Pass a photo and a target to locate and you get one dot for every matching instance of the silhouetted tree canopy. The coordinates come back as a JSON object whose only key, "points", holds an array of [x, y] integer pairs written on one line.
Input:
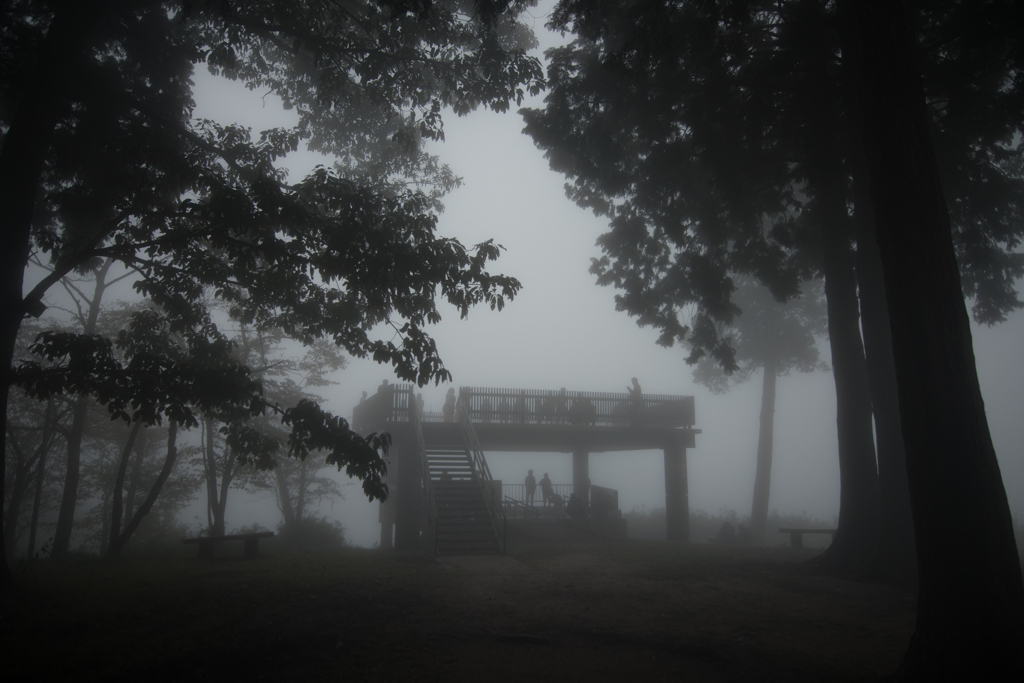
{"points": [[688, 126], [101, 158]]}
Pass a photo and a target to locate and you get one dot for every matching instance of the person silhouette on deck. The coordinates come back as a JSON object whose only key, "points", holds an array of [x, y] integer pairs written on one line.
{"points": [[531, 487], [449, 406], [636, 400], [634, 391], [545, 488]]}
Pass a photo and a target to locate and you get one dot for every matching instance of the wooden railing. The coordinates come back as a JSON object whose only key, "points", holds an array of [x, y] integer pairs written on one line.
{"points": [[518, 492], [531, 406], [482, 474]]}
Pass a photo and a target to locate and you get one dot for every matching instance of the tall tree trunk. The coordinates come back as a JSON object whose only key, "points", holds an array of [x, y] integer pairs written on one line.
{"points": [[115, 506], [856, 533], [22, 157], [133, 480], [970, 612], [300, 499], [225, 485], [765, 440], [22, 476], [66, 516], [172, 454], [216, 497], [284, 498], [895, 560], [105, 523], [214, 510], [40, 472]]}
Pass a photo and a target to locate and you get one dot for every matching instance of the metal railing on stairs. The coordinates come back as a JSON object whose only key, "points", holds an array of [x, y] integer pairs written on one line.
{"points": [[482, 475], [430, 527]]}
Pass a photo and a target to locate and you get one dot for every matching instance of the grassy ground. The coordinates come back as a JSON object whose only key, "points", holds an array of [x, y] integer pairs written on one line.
{"points": [[582, 610]]}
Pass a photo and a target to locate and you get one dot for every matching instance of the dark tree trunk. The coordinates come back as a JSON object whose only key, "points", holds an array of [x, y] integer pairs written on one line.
{"points": [[300, 498], [133, 481], [22, 157], [765, 440], [40, 473], [22, 476], [970, 614], [66, 516], [857, 530], [215, 523], [68, 500], [216, 497], [895, 560], [117, 544], [284, 498], [115, 506], [29, 471]]}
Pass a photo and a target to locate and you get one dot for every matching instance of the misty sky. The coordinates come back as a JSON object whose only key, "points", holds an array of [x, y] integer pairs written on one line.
{"points": [[563, 331]]}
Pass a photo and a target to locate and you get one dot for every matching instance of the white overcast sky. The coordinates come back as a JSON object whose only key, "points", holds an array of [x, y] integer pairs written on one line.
{"points": [[563, 331]]}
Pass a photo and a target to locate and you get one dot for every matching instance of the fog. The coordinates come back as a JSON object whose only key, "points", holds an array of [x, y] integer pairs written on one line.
{"points": [[563, 331]]}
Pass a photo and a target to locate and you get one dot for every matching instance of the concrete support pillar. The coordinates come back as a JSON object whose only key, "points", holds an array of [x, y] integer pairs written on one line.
{"points": [[407, 492], [677, 496], [581, 474]]}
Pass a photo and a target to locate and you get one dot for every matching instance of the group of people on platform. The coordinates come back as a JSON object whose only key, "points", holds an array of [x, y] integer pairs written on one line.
{"points": [[546, 489]]}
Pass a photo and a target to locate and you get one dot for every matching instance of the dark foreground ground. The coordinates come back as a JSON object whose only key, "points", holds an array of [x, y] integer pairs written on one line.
{"points": [[586, 611]]}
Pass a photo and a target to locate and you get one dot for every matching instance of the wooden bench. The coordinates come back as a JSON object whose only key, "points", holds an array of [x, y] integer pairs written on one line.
{"points": [[796, 536], [252, 543]]}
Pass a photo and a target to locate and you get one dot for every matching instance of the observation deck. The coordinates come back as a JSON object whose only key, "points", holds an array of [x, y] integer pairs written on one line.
{"points": [[523, 421]]}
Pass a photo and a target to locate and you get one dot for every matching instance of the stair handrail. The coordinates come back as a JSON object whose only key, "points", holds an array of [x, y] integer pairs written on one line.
{"points": [[482, 474], [516, 503], [430, 533]]}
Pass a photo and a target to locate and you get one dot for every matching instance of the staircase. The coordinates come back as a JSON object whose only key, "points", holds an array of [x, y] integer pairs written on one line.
{"points": [[464, 524]]}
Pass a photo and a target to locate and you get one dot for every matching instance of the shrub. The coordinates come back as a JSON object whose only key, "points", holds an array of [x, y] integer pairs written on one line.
{"points": [[312, 533]]}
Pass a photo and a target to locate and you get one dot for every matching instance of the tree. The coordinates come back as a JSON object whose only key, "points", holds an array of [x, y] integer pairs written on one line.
{"points": [[971, 601], [34, 432], [656, 115], [286, 380], [101, 159], [716, 138], [86, 314], [297, 484], [776, 339]]}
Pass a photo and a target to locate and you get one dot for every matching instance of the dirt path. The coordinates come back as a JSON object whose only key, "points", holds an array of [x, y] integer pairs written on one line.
{"points": [[631, 610]]}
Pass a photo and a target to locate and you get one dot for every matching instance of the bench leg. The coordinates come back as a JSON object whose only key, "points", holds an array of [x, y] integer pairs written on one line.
{"points": [[796, 539], [205, 550], [252, 547]]}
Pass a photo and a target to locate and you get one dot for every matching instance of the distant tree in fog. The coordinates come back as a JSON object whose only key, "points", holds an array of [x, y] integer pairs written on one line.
{"points": [[296, 483], [36, 433], [101, 159], [776, 339]]}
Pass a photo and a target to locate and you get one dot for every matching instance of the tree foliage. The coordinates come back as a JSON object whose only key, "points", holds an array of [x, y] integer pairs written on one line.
{"points": [[102, 158], [766, 331], [689, 125]]}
